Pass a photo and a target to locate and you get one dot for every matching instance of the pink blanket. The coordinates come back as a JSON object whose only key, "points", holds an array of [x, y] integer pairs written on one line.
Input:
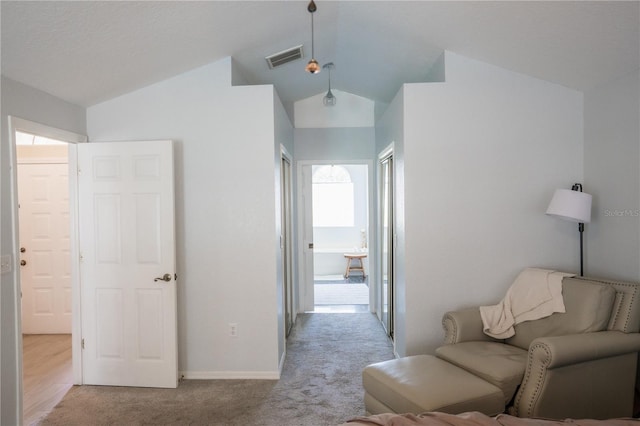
{"points": [[477, 419]]}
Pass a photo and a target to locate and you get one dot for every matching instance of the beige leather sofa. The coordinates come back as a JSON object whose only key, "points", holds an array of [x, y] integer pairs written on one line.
{"points": [[578, 364]]}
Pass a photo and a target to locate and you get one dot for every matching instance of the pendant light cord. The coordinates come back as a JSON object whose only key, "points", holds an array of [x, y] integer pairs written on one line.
{"points": [[312, 44], [312, 66]]}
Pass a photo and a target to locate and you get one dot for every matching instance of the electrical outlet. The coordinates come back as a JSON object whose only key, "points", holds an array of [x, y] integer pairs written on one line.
{"points": [[5, 263], [233, 329]]}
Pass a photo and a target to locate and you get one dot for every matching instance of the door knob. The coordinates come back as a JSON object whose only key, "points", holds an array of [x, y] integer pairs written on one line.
{"points": [[22, 249], [23, 262], [165, 277]]}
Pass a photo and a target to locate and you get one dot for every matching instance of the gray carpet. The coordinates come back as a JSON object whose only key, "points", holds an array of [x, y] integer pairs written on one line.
{"points": [[321, 385]]}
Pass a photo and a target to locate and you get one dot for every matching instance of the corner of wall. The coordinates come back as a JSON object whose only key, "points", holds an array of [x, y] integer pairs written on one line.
{"points": [[237, 75], [437, 72]]}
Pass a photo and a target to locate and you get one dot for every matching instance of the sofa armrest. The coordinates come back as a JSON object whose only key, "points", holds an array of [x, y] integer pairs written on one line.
{"points": [[588, 375], [464, 325], [558, 351]]}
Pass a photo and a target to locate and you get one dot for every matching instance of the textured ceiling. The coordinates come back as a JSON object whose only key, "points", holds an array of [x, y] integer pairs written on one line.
{"points": [[88, 52]]}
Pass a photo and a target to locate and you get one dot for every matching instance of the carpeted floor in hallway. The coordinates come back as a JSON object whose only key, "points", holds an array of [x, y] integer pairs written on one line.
{"points": [[320, 385]]}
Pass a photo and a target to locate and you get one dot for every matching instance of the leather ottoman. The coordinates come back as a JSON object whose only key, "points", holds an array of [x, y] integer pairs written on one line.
{"points": [[422, 383]]}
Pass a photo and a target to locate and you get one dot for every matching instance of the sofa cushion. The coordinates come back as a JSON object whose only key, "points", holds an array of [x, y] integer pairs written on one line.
{"points": [[588, 306], [499, 364]]}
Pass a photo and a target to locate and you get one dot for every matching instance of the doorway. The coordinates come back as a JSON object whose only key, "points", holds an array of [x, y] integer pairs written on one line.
{"points": [[286, 240], [43, 237], [43, 209], [335, 226]]}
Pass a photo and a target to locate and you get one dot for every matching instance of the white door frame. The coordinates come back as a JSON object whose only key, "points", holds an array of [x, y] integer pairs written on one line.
{"points": [[387, 152], [32, 127], [285, 155], [304, 287]]}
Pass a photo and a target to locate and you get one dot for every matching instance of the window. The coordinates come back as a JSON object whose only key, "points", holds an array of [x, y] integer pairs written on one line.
{"points": [[333, 199], [29, 139]]}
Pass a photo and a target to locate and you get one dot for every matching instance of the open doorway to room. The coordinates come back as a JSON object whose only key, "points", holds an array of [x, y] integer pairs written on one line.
{"points": [[340, 217], [45, 271]]}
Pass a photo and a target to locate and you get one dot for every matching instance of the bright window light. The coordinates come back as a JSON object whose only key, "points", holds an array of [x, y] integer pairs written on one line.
{"points": [[333, 198]]}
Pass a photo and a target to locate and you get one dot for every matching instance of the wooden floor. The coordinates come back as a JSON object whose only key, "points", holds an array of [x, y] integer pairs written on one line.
{"points": [[47, 373]]}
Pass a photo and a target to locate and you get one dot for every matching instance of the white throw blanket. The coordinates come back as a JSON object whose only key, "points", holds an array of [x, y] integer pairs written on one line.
{"points": [[536, 293]]}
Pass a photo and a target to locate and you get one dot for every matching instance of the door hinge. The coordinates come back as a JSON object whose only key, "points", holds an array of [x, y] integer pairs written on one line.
{"points": [[82, 343]]}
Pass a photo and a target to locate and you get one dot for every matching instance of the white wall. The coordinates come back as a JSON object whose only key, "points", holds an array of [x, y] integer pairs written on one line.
{"points": [[481, 156], [612, 176], [28, 103], [226, 215], [390, 131], [349, 111], [334, 144], [283, 130]]}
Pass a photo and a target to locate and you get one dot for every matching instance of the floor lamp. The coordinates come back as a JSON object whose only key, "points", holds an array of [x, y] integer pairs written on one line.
{"points": [[575, 206]]}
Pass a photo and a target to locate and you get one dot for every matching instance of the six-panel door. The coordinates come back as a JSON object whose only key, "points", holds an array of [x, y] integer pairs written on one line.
{"points": [[126, 227]]}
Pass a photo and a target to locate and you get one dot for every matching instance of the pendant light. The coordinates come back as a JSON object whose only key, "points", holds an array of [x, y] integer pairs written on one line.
{"points": [[329, 100], [313, 67]]}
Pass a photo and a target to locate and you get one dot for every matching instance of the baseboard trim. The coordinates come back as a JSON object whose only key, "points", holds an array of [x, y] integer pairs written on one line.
{"points": [[231, 375]]}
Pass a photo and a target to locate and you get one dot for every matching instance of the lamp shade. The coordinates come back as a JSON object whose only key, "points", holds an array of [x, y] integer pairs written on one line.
{"points": [[574, 206]]}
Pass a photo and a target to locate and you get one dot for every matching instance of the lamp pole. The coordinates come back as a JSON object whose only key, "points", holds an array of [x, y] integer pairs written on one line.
{"points": [[578, 187]]}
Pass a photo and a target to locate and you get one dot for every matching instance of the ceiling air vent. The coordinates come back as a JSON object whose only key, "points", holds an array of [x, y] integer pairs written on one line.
{"points": [[284, 57]]}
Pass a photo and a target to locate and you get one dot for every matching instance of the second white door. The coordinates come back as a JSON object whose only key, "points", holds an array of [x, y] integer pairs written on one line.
{"points": [[45, 274]]}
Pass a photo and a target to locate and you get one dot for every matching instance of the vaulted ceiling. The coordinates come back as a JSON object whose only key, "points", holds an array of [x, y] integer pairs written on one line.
{"points": [[88, 52]]}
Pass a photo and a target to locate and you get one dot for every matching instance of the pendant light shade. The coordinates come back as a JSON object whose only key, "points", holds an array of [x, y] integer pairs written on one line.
{"points": [[329, 99], [312, 67]]}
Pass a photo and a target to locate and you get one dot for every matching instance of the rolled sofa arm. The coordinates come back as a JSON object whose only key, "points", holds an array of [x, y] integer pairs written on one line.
{"points": [[464, 325], [558, 351], [588, 375]]}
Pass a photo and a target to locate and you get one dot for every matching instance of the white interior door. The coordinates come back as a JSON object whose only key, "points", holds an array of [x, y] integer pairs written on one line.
{"points": [[306, 201], [45, 274], [127, 266]]}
